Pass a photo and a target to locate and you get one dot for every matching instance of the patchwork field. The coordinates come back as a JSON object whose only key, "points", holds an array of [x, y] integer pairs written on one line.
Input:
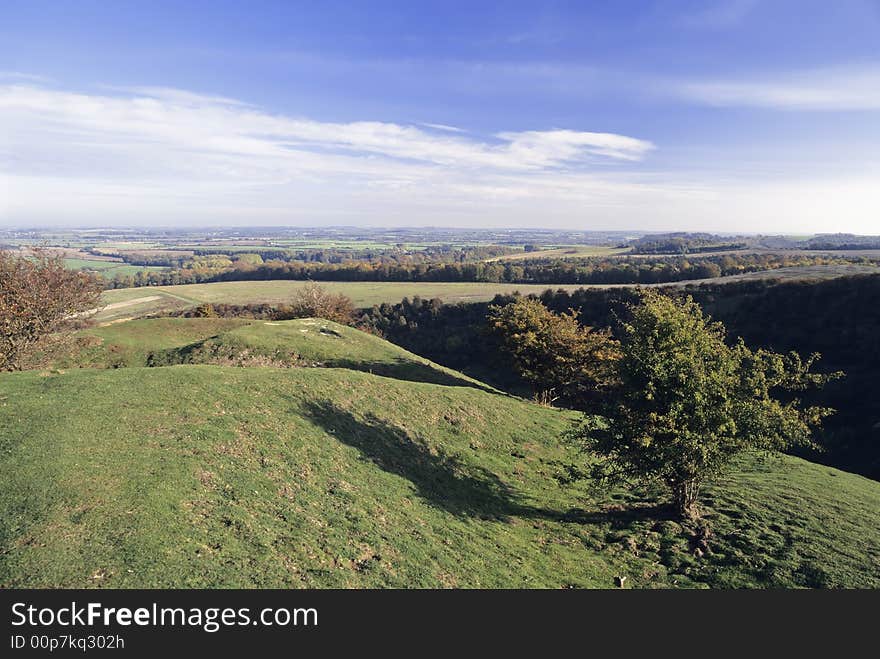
{"points": [[107, 269], [108, 264]]}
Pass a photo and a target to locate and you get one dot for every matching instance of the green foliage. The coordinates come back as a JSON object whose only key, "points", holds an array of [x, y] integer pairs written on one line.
{"points": [[553, 351], [684, 243], [686, 402]]}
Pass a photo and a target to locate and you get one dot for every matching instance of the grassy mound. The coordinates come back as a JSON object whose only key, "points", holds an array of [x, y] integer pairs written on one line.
{"points": [[214, 476], [132, 343], [304, 342]]}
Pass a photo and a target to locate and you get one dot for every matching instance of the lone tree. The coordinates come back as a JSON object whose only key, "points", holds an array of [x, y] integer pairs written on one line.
{"points": [[686, 402], [314, 301], [39, 303], [554, 352]]}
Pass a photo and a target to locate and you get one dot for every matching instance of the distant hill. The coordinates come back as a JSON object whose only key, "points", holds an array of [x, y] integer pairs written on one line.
{"points": [[692, 243], [843, 241], [685, 243], [327, 475]]}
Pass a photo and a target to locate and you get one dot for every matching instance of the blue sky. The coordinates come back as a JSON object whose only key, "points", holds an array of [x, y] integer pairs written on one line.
{"points": [[723, 115]]}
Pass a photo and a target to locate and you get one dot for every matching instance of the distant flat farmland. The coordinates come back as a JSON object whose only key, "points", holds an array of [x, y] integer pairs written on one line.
{"points": [[129, 303], [108, 269], [563, 252]]}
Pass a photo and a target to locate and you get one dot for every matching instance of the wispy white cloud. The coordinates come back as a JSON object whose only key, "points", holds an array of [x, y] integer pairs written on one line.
{"points": [[843, 88], [177, 96], [210, 125], [443, 127], [171, 157], [556, 146], [180, 142], [136, 150]]}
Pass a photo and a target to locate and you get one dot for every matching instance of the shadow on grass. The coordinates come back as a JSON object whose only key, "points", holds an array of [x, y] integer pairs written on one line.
{"points": [[191, 353], [446, 483], [402, 369], [443, 481]]}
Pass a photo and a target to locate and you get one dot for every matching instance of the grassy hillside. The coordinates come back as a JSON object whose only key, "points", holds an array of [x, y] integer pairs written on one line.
{"points": [[310, 342], [236, 342], [132, 343], [201, 475]]}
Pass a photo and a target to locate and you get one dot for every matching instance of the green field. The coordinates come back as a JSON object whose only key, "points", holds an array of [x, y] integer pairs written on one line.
{"points": [[199, 475], [132, 245], [108, 269], [363, 294]]}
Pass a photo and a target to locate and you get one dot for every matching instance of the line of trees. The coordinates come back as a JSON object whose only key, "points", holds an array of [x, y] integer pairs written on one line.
{"points": [[193, 257], [683, 243], [589, 270]]}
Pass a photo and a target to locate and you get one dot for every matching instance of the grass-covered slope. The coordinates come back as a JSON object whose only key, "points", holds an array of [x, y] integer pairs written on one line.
{"points": [[132, 343], [197, 475], [288, 343]]}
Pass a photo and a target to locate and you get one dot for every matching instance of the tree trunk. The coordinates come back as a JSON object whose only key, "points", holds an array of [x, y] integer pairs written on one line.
{"points": [[685, 494]]}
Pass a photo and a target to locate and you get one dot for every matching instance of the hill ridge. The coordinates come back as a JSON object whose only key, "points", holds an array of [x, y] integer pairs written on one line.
{"points": [[301, 342]]}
